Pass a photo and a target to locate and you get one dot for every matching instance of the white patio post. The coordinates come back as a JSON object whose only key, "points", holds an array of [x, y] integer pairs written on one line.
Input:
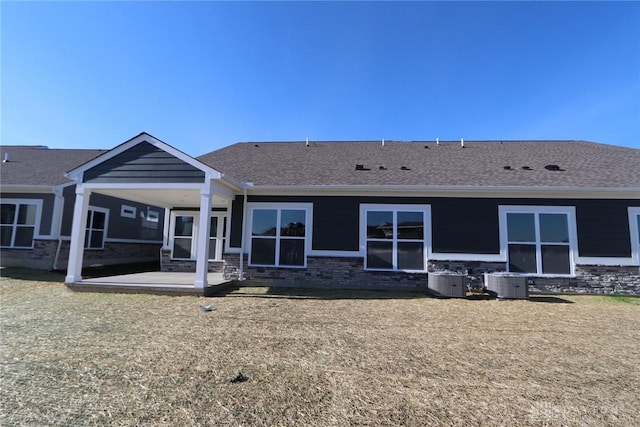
{"points": [[202, 251], [78, 230]]}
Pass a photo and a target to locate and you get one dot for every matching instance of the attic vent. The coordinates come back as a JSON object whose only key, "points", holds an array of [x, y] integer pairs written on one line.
{"points": [[507, 168], [426, 146], [404, 168], [526, 168], [552, 168], [256, 145], [361, 168], [382, 168]]}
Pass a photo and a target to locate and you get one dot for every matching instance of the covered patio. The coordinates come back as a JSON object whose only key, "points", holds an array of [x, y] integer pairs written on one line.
{"points": [[156, 282], [148, 170]]}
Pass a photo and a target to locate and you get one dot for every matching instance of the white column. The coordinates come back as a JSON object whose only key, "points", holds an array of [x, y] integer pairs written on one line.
{"points": [[202, 248], [78, 229]]}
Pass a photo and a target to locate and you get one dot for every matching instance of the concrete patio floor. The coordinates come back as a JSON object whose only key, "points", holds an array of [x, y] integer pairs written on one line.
{"points": [[156, 282]]}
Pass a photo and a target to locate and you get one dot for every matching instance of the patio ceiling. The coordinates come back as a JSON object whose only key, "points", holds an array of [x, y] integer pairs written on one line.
{"points": [[166, 198]]}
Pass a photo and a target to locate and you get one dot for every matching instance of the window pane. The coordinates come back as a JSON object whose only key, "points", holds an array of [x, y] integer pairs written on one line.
{"points": [[292, 223], [5, 235], [638, 219], [184, 226], [554, 228], [213, 229], [410, 256], [24, 237], [380, 225], [291, 252], [263, 251], [264, 222], [410, 225], [522, 259], [212, 248], [96, 239], [182, 248], [27, 215], [380, 255], [98, 220], [224, 226], [555, 259], [7, 213], [521, 227]]}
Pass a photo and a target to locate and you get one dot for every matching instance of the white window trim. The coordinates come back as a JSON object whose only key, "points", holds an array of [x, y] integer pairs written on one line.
{"points": [[221, 241], [220, 249], [307, 207], [38, 219], [570, 211], [106, 227], [127, 211], [427, 248], [635, 240]]}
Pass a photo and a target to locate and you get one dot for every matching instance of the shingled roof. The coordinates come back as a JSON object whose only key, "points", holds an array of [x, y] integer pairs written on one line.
{"points": [[39, 165], [479, 163]]}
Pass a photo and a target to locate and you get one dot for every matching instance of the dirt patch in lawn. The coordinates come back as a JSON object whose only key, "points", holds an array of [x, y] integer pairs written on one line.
{"points": [[317, 358]]}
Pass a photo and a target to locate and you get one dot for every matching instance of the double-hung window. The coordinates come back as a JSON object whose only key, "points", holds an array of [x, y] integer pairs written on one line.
{"points": [[538, 240], [184, 233], [279, 236], [18, 223], [395, 237], [96, 228]]}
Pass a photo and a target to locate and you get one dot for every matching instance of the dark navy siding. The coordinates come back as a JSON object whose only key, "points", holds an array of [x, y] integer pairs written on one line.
{"points": [[137, 228], [235, 237], [143, 163], [603, 228], [465, 226], [69, 195], [460, 225], [119, 227]]}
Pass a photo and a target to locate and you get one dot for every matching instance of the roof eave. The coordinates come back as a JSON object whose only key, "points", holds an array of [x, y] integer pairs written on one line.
{"points": [[454, 190]]}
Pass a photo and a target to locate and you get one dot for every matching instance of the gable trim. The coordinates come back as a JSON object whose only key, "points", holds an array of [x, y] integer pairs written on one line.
{"points": [[210, 173]]}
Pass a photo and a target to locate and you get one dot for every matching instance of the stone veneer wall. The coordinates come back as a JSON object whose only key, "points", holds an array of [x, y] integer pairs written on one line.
{"points": [[348, 273], [325, 272], [589, 279], [41, 257], [185, 266], [43, 254]]}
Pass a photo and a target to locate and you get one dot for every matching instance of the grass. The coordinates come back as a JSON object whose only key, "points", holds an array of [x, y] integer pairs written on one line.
{"points": [[321, 358]]}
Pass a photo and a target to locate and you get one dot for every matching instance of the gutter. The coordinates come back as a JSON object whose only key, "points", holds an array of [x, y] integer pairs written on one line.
{"points": [[453, 190]]}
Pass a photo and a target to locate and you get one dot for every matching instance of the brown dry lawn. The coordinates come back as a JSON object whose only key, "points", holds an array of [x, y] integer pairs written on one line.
{"points": [[321, 358]]}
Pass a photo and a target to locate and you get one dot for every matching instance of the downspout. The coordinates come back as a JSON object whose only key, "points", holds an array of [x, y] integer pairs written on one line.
{"points": [[58, 226], [244, 227]]}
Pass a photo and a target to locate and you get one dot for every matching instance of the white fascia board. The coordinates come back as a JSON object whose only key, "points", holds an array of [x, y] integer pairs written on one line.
{"points": [[32, 189], [210, 172], [447, 191], [144, 186]]}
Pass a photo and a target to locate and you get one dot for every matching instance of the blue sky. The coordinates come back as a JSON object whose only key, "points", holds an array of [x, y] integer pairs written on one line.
{"points": [[202, 75]]}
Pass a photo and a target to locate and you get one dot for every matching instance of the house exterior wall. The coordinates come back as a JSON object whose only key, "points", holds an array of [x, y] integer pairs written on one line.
{"points": [[119, 227], [459, 225]]}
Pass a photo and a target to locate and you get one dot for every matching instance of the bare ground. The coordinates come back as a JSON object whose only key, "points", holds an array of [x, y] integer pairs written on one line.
{"points": [[321, 358]]}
